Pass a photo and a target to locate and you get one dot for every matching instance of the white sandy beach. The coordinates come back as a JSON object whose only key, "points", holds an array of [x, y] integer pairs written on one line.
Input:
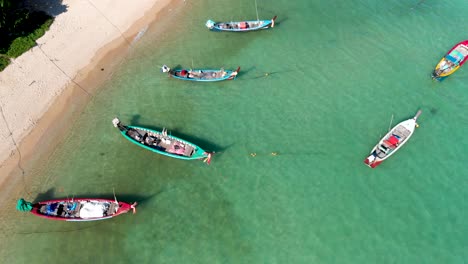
{"points": [[77, 38]]}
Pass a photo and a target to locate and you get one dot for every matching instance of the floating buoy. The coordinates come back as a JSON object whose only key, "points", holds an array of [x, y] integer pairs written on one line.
{"points": [[253, 154], [274, 153], [417, 125]]}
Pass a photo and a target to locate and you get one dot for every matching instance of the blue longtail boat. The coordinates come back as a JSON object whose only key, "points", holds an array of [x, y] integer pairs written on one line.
{"points": [[240, 26], [162, 143], [204, 75]]}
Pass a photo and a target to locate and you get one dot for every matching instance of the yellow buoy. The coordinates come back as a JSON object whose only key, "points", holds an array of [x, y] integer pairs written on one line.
{"points": [[253, 154]]}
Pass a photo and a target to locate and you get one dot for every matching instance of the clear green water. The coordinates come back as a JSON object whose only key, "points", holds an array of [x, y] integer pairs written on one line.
{"points": [[338, 71]]}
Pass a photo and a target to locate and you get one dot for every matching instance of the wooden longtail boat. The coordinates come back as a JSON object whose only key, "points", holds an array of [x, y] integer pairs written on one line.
{"points": [[162, 143], [82, 209], [240, 26], [392, 141], [205, 75], [452, 61]]}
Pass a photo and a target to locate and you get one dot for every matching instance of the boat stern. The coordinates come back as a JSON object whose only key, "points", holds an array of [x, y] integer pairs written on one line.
{"points": [[165, 69], [371, 161], [436, 77], [444, 69]]}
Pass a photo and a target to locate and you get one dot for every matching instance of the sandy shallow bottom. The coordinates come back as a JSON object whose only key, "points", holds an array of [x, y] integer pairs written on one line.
{"points": [[49, 130]]}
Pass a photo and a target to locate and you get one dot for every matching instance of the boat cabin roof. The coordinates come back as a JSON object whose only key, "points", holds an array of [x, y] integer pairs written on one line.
{"points": [[458, 54], [463, 49]]}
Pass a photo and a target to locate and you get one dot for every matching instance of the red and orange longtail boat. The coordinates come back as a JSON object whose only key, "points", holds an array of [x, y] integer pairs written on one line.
{"points": [[82, 209]]}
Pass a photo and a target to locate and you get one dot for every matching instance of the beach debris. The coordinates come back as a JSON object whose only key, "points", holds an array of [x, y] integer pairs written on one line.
{"points": [[140, 34]]}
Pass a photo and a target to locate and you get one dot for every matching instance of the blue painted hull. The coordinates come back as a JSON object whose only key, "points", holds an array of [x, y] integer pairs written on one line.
{"points": [[206, 75]]}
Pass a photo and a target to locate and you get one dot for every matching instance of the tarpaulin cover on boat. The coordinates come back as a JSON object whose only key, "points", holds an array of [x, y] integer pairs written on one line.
{"points": [[24, 206], [50, 208], [450, 58], [393, 140], [92, 210]]}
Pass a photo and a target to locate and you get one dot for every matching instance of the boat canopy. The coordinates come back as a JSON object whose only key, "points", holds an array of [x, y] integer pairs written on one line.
{"points": [[452, 59], [455, 56], [92, 209]]}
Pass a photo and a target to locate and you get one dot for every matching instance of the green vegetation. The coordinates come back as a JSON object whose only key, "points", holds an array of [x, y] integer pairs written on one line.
{"points": [[4, 61], [19, 29]]}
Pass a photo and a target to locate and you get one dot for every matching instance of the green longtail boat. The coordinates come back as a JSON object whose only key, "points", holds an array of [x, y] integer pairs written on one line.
{"points": [[162, 143]]}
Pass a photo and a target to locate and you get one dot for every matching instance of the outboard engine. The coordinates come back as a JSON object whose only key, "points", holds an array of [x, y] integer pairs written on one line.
{"points": [[116, 122], [210, 24], [164, 68]]}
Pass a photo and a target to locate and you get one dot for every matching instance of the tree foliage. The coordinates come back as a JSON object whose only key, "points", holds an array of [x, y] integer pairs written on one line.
{"points": [[19, 28]]}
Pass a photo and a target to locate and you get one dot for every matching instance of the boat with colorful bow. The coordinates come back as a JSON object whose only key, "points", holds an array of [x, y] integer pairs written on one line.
{"points": [[392, 141], [241, 26], [162, 143], [452, 61], [77, 210], [203, 75]]}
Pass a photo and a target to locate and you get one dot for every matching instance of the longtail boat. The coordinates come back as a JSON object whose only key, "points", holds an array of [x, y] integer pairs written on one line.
{"points": [[392, 141], [203, 75], [452, 61], [82, 209], [240, 26], [162, 143]]}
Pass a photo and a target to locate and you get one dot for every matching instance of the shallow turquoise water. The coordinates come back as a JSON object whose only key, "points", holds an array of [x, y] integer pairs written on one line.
{"points": [[337, 72]]}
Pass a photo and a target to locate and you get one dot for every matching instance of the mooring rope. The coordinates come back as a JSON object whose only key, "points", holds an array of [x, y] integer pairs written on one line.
{"points": [[23, 172]]}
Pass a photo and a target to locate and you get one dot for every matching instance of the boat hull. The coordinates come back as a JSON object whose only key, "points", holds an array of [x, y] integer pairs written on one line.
{"points": [[38, 208], [206, 75], [450, 64], [392, 142], [241, 26], [199, 153]]}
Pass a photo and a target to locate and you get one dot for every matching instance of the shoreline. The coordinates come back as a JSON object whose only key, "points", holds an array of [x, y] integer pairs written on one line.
{"points": [[41, 134]]}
